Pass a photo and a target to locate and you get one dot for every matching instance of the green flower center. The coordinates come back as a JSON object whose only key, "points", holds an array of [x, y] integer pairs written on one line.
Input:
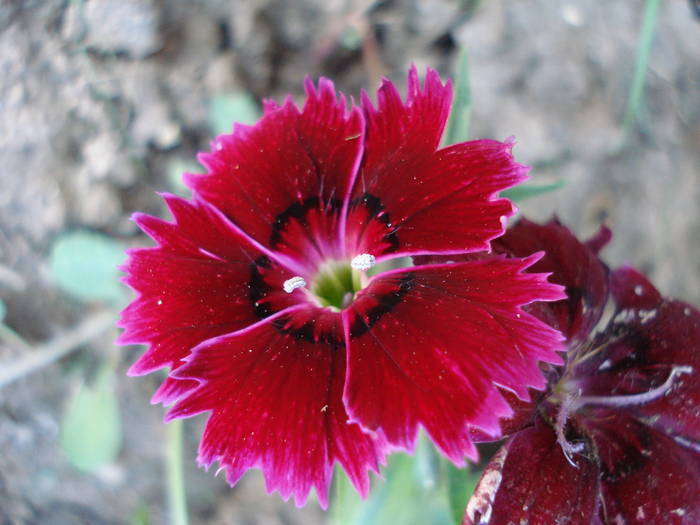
{"points": [[336, 284]]}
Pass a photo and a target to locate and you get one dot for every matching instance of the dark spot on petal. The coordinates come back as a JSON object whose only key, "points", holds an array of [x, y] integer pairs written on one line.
{"points": [[307, 332], [258, 288]]}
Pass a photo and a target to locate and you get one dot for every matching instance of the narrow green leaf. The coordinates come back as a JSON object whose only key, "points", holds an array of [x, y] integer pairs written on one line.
{"points": [[458, 125], [3, 310], [234, 106], [636, 94], [525, 191], [91, 427], [84, 264]]}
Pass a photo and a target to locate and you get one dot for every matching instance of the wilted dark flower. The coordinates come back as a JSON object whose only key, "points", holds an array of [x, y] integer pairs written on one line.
{"points": [[257, 297], [615, 439]]}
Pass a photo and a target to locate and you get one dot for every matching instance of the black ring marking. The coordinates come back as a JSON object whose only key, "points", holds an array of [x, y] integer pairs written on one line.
{"points": [[361, 326]]}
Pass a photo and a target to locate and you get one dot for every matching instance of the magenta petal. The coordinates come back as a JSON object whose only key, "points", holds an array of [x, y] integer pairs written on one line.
{"points": [[275, 402], [191, 287], [267, 174], [442, 201], [427, 346], [530, 481], [410, 198], [572, 264]]}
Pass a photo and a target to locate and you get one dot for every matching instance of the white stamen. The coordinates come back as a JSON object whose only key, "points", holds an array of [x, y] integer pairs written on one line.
{"points": [[364, 261], [292, 284]]}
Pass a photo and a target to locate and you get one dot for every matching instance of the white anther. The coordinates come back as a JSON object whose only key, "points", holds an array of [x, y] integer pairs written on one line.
{"points": [[292, 284], [364, 261]]}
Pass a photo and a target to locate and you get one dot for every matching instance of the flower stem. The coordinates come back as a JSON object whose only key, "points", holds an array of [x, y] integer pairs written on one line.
{"points": [[177, 499], [637, 89]]}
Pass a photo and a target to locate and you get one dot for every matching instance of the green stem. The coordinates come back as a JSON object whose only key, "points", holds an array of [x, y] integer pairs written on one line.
{"points": [[177, 498], [637, 89]]}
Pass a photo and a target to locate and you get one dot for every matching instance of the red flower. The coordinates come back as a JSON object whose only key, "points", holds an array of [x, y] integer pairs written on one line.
{"points": [[256, 295], [615, 439]]}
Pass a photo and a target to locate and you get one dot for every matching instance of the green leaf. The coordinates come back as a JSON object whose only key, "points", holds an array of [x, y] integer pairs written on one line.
{"points": [[525, 191], [460, 486], [413, 493], [458, 125], [84, 264], [91, 427], [3, 310], [227, 108]]}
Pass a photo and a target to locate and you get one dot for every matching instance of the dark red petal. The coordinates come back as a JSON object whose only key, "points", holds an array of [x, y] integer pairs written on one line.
{"points": [[193, 286], [630, 289], [647, 476], [530, 481], [274, 391], [268, 174], [641, 350], [572, 264], [524, 412], [428, 345], [601, 238]]}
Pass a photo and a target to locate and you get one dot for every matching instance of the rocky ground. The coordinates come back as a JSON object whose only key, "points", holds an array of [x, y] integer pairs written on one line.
{"points": [[102, 102]]}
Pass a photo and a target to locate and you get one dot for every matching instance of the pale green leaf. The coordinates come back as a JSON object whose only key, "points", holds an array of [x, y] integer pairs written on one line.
{"points": [[230, 107], [413, 493], [91, 427], [460, 486], [84, 264], [175, 170]]}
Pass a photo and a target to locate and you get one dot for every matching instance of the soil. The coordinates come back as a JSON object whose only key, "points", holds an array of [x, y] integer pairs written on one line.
{"points": [[102, 99]]}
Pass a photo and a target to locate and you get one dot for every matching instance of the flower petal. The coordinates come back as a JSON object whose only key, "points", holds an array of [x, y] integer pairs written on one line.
{"points": [[647, 476], [574, 265], [193, 286], [265, 176], [651, 342], [427, 346], [274, 391], [530, 481], [411, 199]]}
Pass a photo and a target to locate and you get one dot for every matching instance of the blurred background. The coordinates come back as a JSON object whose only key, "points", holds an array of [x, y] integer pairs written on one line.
{"points": [[105, 102]]}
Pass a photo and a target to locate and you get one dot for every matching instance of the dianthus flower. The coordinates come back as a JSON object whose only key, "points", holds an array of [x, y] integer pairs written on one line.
{"points": [[257, 297], [615, 438]]}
